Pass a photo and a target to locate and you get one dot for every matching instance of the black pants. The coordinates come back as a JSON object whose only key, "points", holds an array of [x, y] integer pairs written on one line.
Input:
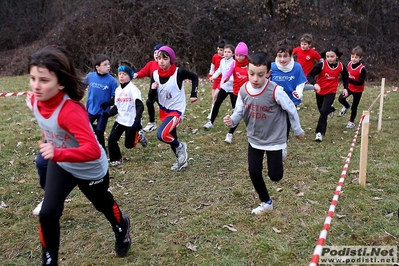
{"points": [[131, 139], [356, 100], [275, 169], [219, 100], [59, 183], [324, 104], [151, 108]]}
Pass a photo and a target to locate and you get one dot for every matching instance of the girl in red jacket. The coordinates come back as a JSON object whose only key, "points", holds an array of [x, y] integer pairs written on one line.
{"points": [[326, 84]]}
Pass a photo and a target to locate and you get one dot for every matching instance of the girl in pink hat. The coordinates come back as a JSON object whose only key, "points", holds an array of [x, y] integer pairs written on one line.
{"points": [[239, 70]]}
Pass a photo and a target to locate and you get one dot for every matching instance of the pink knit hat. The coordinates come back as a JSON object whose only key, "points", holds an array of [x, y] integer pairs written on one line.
{"points": [[170, 51], [241, 48]]}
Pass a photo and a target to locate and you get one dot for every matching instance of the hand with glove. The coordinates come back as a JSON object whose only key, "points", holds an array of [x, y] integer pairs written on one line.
{"points": [[136, 125], [105, 105]]}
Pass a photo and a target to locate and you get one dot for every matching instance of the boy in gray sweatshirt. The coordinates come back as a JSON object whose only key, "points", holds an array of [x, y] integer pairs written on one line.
{"points": [[263, 105]]}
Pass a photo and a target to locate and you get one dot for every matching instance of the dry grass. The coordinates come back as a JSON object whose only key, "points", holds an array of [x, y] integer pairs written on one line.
{"points": [[181, 218]]}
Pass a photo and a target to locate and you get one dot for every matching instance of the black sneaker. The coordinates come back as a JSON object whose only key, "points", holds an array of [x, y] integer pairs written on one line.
{"points": [[123, 241]]}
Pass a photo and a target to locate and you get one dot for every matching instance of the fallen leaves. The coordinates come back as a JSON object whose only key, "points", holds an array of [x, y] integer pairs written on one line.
{"points": [[230, 227]]}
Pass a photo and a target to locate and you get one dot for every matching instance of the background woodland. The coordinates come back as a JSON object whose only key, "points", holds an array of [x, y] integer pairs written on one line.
{"points": [[128, 29]]}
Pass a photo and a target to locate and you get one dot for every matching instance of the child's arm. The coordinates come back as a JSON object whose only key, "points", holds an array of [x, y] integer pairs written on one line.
{"points": [[29, 100], [298, 92], [235, 118], [217, 72], [185, 74], [144, 72], [345, 76], [74, 120], [139, 114], [229, 72], [153, 89], [287, 105], [211, 70], [313, 73]]}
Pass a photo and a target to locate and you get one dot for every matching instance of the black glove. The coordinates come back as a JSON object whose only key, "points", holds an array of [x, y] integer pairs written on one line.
{"points": [[136, 125], [105, 114], [105, 105]]}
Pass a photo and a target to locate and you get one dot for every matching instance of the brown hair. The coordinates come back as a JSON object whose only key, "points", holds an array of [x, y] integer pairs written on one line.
{"points": [[57, 60], [307, 37], [357, 51]]}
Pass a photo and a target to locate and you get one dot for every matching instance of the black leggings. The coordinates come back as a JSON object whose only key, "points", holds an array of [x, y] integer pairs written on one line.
{"points": [[59, 183], [356, 100], [219, 100], [275, 169]]}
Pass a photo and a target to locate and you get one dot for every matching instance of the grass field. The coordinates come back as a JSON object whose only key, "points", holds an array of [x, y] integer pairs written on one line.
{"points": [[202, 215]]}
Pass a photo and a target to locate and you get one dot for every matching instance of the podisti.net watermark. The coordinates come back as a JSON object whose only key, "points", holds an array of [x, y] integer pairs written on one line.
{"points": [[359, 255]]}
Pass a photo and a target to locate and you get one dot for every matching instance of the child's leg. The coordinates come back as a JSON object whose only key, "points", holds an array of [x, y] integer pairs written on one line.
{"points": [[356, 100], [102, 199], [59, 184], [215, 93], [100, 129], [116, 133], [167, 131], [98, 194], [151, 109], [233, 99], [325, 101], [131, 138], [255, 167], [275, 168], [343, 100], [41, 166], [219, 100]]}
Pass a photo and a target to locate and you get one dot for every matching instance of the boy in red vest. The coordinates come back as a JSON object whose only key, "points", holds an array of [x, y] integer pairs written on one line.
{"points": [[357, 76]]}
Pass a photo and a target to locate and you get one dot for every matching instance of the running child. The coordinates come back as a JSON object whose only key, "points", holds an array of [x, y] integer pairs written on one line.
{"points": [[75, 157], [146, 71], [227, 87], [324, 76], [263, 105], [167, 85], [214, 66], [288, 74], [357, 77], [239, 70], [129, 108], [101, 90]]}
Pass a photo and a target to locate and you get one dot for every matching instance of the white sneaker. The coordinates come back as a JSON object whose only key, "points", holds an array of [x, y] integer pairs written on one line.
{"points": [[150, 127], [177, 167], [116, 163], [343, 110], [319, 137], [208, 125], [38, 208], [350, 125], [229, 138], [143, 140], [181, 153], [263, 207]]}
